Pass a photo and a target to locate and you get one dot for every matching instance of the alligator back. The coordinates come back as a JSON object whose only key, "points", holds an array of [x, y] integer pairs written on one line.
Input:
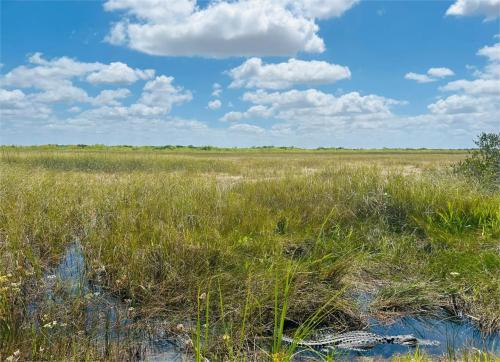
{"points": [[356, 340]]}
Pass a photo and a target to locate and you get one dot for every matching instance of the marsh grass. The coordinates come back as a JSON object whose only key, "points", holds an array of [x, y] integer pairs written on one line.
{"points": [[266, 238]]}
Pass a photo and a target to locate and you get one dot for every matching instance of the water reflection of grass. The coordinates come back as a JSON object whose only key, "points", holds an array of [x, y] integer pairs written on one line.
{"points": [[162, 229]]}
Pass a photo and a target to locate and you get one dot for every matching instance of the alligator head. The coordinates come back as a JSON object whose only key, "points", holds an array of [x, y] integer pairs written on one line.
{"points": [[405, 340]]}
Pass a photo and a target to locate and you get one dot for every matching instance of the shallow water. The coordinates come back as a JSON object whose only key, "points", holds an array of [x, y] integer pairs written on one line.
{"points": [[71, 269], [452, 335], [108, 319]]}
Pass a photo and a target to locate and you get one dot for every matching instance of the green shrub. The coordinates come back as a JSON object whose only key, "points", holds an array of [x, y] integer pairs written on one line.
{"points": [[483, 163]]}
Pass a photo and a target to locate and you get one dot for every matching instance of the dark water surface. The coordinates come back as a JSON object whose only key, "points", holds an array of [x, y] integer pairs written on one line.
{"points": [[452, 335], [107, 318]]}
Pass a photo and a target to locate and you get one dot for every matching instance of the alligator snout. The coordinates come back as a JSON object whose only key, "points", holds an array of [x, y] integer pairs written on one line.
{"points": [[408, 340]]}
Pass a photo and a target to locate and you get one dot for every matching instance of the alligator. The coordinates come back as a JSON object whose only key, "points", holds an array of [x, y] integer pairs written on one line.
{"points": [[357, 341]]}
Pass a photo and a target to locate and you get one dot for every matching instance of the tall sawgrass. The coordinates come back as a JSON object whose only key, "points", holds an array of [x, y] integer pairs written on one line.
{"points": [[274, 242]]}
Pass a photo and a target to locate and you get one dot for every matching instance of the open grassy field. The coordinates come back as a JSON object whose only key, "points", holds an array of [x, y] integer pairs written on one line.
{"points": [[238, 245]]}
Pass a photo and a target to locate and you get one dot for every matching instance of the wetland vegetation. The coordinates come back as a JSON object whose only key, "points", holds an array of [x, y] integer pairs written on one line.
{"points": [[231, 248]]}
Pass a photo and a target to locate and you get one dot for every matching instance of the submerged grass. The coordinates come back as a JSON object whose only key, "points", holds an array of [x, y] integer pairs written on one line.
{"points": [[246, 244]]}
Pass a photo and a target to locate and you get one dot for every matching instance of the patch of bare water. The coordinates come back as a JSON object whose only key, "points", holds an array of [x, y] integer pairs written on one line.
{"points": [[445, 338], [108, 319], [449, 336], [454, 335]]}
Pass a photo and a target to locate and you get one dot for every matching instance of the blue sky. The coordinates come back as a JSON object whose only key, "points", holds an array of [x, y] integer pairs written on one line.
{"points": [[309, 73]]}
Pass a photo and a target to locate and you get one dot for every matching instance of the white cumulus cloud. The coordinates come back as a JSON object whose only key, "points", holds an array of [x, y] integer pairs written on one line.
{"points": [[47, 74], [480, 95], [433, 74], [254, 112], [16, 105], [44, 74], [420, 78], [111, 97], [246, 128], [215, 104], [158, 97], [491, 52], [117, 72], [64, 91], [216, 90], [45, 83], [11, 97], [321, 9], [490, 9], [475, 86], [222, 28], [461, 103], [440, 72], [305, 110], [324, 102], [254, 74], [192, 125], [487, 81], [54, 77]]}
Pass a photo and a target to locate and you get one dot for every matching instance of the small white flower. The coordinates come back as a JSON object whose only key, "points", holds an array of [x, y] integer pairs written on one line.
{"points": [[50, 325], [50, 277]]}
